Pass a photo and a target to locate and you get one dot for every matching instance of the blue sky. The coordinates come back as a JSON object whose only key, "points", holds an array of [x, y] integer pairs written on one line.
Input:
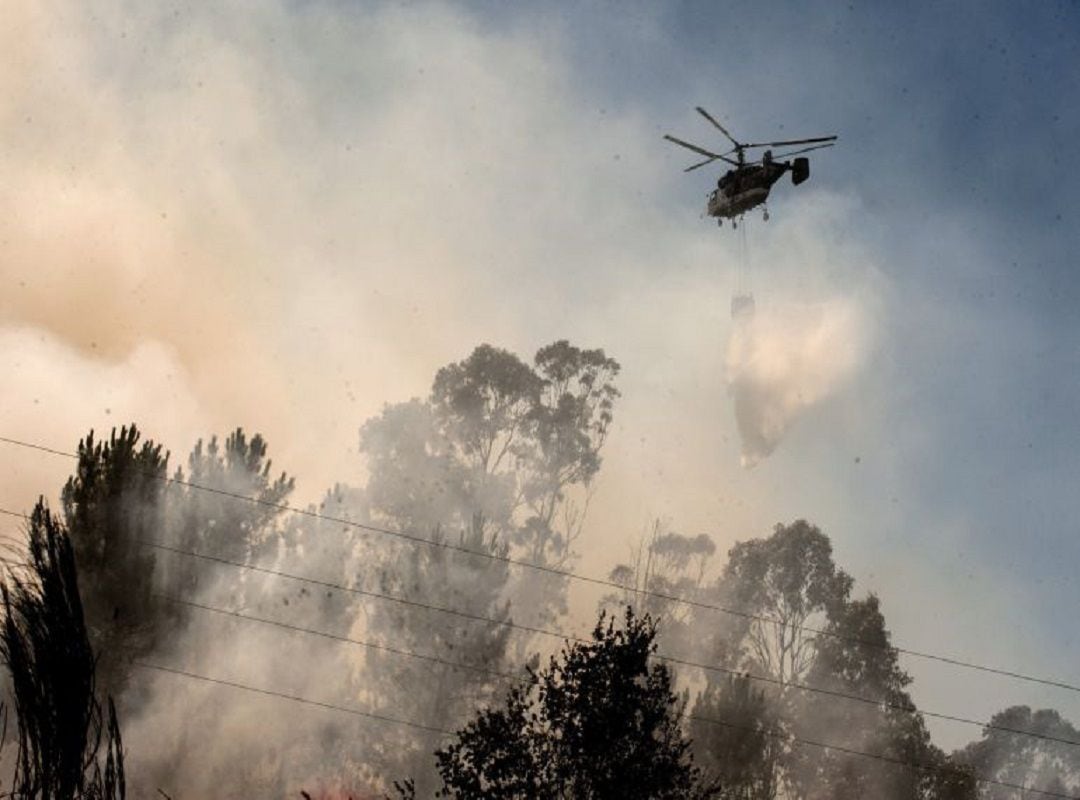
{"points": [[385, 186]]}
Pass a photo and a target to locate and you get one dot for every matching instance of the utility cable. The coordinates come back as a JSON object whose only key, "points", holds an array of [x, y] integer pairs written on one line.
{"points": [[958, 772], [294, 698], [420, 540], [883, 704], [910, 709], [707, 720], [338, 638]]}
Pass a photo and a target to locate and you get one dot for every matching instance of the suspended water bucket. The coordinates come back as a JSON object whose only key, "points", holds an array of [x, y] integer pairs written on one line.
{"points": [[742, 306]]}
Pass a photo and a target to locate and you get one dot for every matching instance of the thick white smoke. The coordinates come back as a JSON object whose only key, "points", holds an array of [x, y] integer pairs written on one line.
{"points": [[785, 359]]}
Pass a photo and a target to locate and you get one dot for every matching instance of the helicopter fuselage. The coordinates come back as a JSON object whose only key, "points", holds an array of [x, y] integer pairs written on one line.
{"points": [[743, 188]]}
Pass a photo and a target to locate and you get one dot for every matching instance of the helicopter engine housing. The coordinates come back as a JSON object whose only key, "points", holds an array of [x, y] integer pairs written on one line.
{"points": [[800, 170]]}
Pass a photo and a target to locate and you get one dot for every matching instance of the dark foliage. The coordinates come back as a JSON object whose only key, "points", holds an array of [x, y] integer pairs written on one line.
{"points": [[218, 524], [111, 504], [227, 505], [600, 721], [734, 731], [46, 648]]}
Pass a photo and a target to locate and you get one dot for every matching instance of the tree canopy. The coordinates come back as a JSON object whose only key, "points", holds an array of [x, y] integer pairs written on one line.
{"points": [[1038, 763], [804, 643], [599, 721], [112, 505]]}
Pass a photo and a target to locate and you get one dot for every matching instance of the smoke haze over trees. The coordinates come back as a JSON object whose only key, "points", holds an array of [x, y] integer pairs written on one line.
{"points": [[435, 636]]}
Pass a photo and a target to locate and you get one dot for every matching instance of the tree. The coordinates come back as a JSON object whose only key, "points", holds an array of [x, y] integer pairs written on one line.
{"points": [[561, 418], [437, 695], [120, 498], [801, 631], [788, 584], [46, 648], [329, 541], [1037, 763], [112, 505], [222, 524], [570, 424], [854, 656], [486, 463], [599, 721], [486, 405], [500, 439], [226, 506], [736, 738], [664, 564], [417, 482]]}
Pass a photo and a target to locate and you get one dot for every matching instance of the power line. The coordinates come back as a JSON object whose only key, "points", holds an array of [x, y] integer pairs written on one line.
{"points": [[353, 590], [294, 698], [881, 704], [707, 720], [877, 756], [420, 540], [884, 704], [338, 638]]}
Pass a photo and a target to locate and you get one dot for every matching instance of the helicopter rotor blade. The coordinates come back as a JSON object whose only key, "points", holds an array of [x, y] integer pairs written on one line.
{"points": [[781, 156], [720, 127], [793, 142], [694, 147], [709, 161], [699, 164]]}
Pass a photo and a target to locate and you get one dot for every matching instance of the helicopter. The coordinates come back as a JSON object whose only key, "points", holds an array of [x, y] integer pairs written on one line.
{"points": [[748, 184]]}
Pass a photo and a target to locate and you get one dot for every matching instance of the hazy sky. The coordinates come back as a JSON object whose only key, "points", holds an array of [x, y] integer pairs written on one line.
{"points": [[283, 215]]}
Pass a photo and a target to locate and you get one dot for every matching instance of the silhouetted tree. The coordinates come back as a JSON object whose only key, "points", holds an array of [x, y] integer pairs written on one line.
{"points": [[46, 647], [112, 503], [120, 497], [600, 721], [499, 438], [570, 422], [221, 523]]}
